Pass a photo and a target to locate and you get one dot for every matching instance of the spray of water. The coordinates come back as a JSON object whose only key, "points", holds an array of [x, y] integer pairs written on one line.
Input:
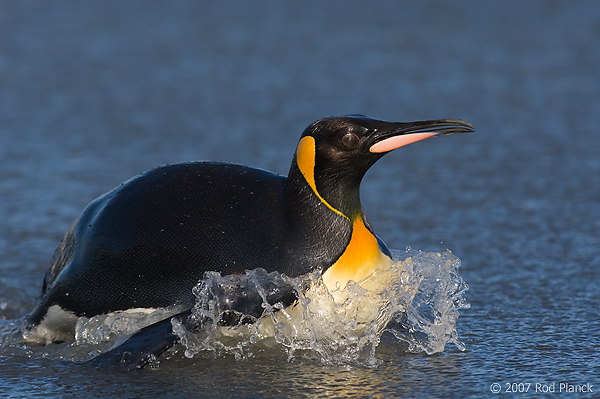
{"points": [[416, 300]]}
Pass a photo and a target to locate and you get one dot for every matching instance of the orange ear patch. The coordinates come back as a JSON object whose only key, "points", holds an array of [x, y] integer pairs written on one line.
{"points": [[305, 159]]}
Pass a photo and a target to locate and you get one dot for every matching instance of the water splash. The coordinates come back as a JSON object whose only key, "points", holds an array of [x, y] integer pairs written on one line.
{"points": [[416, 300], [429, 323], [108, 328]]}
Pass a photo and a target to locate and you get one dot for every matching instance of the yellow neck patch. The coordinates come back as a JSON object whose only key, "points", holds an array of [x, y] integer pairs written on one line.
{"points": [[362, 256], [359, 261]]}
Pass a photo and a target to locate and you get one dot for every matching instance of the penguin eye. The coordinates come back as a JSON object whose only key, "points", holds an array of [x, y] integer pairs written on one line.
{"points": [[350, 140]]}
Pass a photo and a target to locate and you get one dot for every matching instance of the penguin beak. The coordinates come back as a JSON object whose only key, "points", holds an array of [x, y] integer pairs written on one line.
{"points": [[401, 134]]}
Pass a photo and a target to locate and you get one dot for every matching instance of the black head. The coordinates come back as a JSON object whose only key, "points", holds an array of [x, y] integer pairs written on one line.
{"points": [[335, 153]]}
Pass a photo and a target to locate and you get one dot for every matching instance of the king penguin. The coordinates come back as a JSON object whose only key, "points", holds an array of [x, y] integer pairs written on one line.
{"points": [[149, 241]]}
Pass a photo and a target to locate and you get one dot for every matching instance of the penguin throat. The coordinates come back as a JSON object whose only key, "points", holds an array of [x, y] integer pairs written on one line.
{"points": [[305, 159], [359, 261], [362, 256]]}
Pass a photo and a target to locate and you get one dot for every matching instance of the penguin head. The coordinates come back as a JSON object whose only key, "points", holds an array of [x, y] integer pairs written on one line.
{"points": [[334, 153]]}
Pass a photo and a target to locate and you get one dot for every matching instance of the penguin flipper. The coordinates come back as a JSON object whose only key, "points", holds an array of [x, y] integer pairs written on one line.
{"points": [[143, 346], [238, 304]]}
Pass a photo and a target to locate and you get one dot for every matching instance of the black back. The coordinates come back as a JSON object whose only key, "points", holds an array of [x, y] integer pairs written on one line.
{"points": [[148, 242]]}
